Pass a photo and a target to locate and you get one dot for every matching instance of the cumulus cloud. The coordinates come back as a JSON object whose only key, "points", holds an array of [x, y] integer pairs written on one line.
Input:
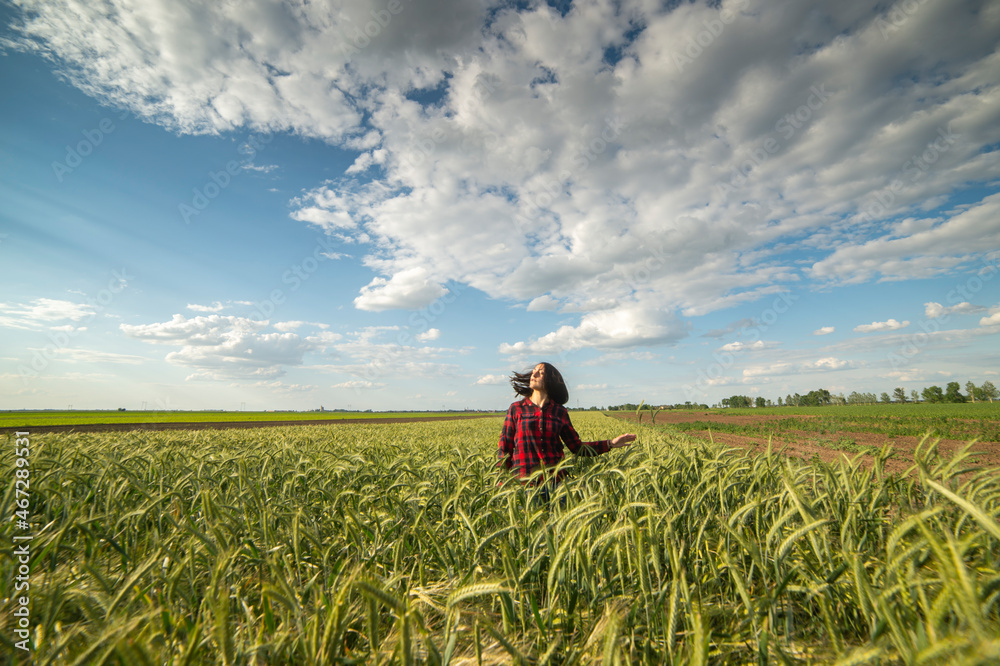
{"points": [[993, 319], [228, 347], [566, 159], [214, 307], [77, 355], [825, 330], [43, 312], [429, 335], [758, 345], [890, 325], [385, 351], [493, 380], [936, 310], [410, 289], [627, 326], [358, 384], [765, 371]]}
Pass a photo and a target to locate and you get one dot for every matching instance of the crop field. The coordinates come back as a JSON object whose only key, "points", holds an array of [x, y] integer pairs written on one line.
{"points": [[831, 432], [23, 419], [403, 543]]}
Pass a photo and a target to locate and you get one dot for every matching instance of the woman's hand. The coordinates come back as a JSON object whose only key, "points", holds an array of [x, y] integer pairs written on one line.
{"points": [[623, 440]]}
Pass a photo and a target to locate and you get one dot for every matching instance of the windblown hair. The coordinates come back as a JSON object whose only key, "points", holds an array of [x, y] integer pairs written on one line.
{"points": [[555, 386]]}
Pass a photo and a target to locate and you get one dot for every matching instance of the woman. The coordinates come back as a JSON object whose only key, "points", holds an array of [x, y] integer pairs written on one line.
{"points": [[534, 426]]}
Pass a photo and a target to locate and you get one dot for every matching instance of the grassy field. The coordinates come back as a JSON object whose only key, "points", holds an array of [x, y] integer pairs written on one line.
{"points": [[918, 409], [370, 543], [17, 419], [955, 421]]}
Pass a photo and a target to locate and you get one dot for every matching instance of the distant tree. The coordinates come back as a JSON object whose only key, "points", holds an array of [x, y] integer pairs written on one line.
{"points": [[779, 401], [899, 395], [760, 402], [798, 399], [725, 402], [740, 401], [971, 389], [914, 396], [933, 394], [988, 391], [953, 393], [815, 398], [885, 397]]}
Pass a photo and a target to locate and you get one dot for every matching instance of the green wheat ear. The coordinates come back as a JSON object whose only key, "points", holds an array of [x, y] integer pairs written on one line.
{"points": [[638, 411]]}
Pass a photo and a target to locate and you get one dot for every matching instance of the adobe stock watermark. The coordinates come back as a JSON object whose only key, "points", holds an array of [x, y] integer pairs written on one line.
{"points": [[913, 170], [60, 339], [787, 126], [897, 16], [724, 360], [362, 35], [219, 180], [962, 293], [420, 323], [294, 277], [424, 148], [704, 38], [76, 154], [553, 187]]}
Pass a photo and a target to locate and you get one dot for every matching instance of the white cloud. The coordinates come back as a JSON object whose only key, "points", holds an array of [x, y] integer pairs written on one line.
{"points": [[368, 355], [758, 345], [941, 247], [76, 355], [228, 347], [825, 330], [285, 326], [410, 289], [278, 386], [43, 312], [830, 363], [618, 357], [214, 307], [765, 371], [429, 335], [993, 319], [624, 327], [546, 170], [591, 387], [936, 310], [493, 380], [890, 325], [358, 384], [543, 303]]}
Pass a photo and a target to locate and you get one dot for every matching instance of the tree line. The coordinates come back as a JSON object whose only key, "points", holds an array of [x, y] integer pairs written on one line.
{"points": [[951, 393]]}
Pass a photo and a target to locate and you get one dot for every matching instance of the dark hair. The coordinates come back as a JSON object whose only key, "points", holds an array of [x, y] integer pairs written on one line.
{"points": [[555, 386]]}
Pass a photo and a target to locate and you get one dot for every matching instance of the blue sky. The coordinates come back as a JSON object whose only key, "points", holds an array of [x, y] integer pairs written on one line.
{"points": [[375, 204]]}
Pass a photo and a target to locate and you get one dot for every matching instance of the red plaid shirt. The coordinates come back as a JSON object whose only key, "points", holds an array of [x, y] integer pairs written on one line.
{"points": [[531, 437]]}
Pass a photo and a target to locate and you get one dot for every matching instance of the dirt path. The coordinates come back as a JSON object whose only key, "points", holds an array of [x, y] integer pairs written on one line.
{"points": [[827, 447]]}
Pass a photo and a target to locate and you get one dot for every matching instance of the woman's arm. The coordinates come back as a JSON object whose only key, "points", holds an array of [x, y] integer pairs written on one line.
{"points": [[506, 452], [572, 439], [623, 440]]}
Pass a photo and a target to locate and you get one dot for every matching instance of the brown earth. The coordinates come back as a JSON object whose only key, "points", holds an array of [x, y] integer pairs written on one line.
{"points": [[822, 446]]}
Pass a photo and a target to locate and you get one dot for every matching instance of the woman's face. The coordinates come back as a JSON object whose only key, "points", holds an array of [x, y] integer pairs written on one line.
{"points": [[538, 378]]}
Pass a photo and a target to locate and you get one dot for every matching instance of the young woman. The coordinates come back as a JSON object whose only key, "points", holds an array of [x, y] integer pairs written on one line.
{"points": [[538, 424]]}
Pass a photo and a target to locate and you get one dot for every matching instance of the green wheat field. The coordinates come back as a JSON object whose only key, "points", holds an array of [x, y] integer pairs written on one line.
{"points": [[402, 543]]}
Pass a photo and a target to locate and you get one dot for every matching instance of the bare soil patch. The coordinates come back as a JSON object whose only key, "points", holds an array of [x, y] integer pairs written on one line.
{"points": [[827, 447]]}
